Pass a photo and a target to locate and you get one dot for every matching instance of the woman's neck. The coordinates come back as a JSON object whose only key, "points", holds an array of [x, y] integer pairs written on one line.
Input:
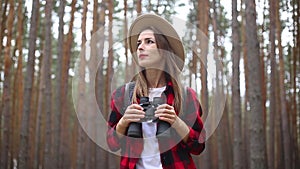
{"points": [[155, 78]]}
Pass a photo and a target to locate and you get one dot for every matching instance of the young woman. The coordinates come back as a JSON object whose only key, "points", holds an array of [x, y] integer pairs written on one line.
{"points": [[158, 50]]}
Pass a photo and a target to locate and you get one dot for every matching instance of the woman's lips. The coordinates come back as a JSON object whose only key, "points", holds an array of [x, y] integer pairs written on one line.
{"points": [[141, 56]]}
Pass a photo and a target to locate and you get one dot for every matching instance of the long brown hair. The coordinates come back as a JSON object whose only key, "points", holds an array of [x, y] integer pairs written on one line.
{"points": [[172, 72]]}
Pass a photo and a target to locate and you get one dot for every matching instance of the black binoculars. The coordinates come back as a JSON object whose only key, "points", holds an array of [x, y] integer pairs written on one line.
{"points": [[135, 128]]}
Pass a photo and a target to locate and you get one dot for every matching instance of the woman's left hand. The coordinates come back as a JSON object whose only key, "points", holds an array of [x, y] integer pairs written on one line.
{"points": [[166, 113]]}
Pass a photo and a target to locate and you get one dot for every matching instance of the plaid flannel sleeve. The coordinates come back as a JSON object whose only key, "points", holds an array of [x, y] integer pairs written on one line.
{"points": [[113, 141], [192, 117]]}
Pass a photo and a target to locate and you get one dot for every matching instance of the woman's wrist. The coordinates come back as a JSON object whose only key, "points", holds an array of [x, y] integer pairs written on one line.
{"points": [[121, 128], [181, 128]]}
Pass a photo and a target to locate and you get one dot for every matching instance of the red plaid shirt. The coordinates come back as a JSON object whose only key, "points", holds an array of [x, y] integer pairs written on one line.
{"points": [[178, 154]]}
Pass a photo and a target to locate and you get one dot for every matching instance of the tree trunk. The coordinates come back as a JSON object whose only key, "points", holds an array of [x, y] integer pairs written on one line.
{"points": [[262, 65], [23, 153], [65, 147], [295, 59], [203, 17], [109, 71], [3, 13], [279, 159], [245, 119], [101, 154], [273, 107], [82, 94], [2, 27], [283, 110], [257, 134], [58, 156], [18, 85], [139, 6], [6, 97], [39, 120], [219, 149], [236, 100], [47, 91], [125, 43]]}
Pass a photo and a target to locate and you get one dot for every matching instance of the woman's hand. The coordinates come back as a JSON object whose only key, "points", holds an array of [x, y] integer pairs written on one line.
{"points": [[133, 113], [166, 113]]}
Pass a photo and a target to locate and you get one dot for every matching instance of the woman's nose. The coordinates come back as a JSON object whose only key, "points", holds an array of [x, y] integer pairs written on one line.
{"points": [[141, 46]]}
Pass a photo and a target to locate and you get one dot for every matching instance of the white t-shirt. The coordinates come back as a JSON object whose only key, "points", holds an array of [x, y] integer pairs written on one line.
{"points": [[150, 157]]}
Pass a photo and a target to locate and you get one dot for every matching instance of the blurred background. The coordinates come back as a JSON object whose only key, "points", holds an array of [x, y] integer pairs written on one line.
{"points": [[247, 51]]}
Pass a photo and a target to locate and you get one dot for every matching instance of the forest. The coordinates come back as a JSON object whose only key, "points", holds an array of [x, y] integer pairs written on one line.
{"points": [[61, 60]]}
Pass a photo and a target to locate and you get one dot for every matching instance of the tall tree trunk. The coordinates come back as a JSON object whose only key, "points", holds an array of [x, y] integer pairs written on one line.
{"points": [[203, 17], [283, 110], [236, 100], [64, 149], [58, 156], [125, 42], [139, 6], [47, 92], [2, 27], [39, 120], [245, 117], [94, 53], [92, 67], [23, 153], [279, 158], [262, 65], [101, 154], [109, 71], [295, 59], [273, 107], [81, 108], [3, 13], [6, 97], [18, 85], [219, 149], [257, 134]]}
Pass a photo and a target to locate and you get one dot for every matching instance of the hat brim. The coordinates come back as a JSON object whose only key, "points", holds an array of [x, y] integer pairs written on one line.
{"points": [[146, 20]]}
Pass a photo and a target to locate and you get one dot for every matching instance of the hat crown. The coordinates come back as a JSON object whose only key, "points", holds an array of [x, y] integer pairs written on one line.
{"points": [[145, 21]]}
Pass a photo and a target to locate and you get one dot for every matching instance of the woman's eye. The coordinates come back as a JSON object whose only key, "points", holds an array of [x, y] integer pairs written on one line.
{"points": [[149, 41]]}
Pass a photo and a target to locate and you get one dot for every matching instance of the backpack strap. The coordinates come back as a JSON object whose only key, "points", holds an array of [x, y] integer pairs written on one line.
{"points": [[127, 95]]}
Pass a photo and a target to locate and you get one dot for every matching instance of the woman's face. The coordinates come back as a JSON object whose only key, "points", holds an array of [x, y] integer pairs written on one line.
{"points": [[147, 51]]}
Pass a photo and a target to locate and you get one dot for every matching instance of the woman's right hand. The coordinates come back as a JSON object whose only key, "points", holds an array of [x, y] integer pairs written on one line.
{"points": [[133, 113]]}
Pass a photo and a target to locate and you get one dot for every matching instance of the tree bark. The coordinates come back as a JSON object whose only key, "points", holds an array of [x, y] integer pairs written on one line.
{"points": [[82, 94], [57, 152], [48, 156], [6, 97], [101, 154], [139, 6], [28, 85], [273, 107], [109, 72], [18, 85], [245, 119], [295, 60], [3, 13], [203, 21], [236, 100], [283, 110], [257, 134]]}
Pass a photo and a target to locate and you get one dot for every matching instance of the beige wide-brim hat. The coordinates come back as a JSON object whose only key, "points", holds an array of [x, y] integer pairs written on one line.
{"points": [[145, 21]]}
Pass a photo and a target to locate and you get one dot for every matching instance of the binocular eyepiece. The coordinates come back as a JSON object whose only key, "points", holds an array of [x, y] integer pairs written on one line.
{"points": [[135, 128]]}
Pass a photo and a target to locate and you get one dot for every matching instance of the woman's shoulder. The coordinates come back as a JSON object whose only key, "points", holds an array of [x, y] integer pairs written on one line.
{"points": [[188, 90], [122, 89]]}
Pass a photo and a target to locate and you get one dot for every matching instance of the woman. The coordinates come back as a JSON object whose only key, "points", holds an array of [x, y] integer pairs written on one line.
{"points": [[156, 47]]}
